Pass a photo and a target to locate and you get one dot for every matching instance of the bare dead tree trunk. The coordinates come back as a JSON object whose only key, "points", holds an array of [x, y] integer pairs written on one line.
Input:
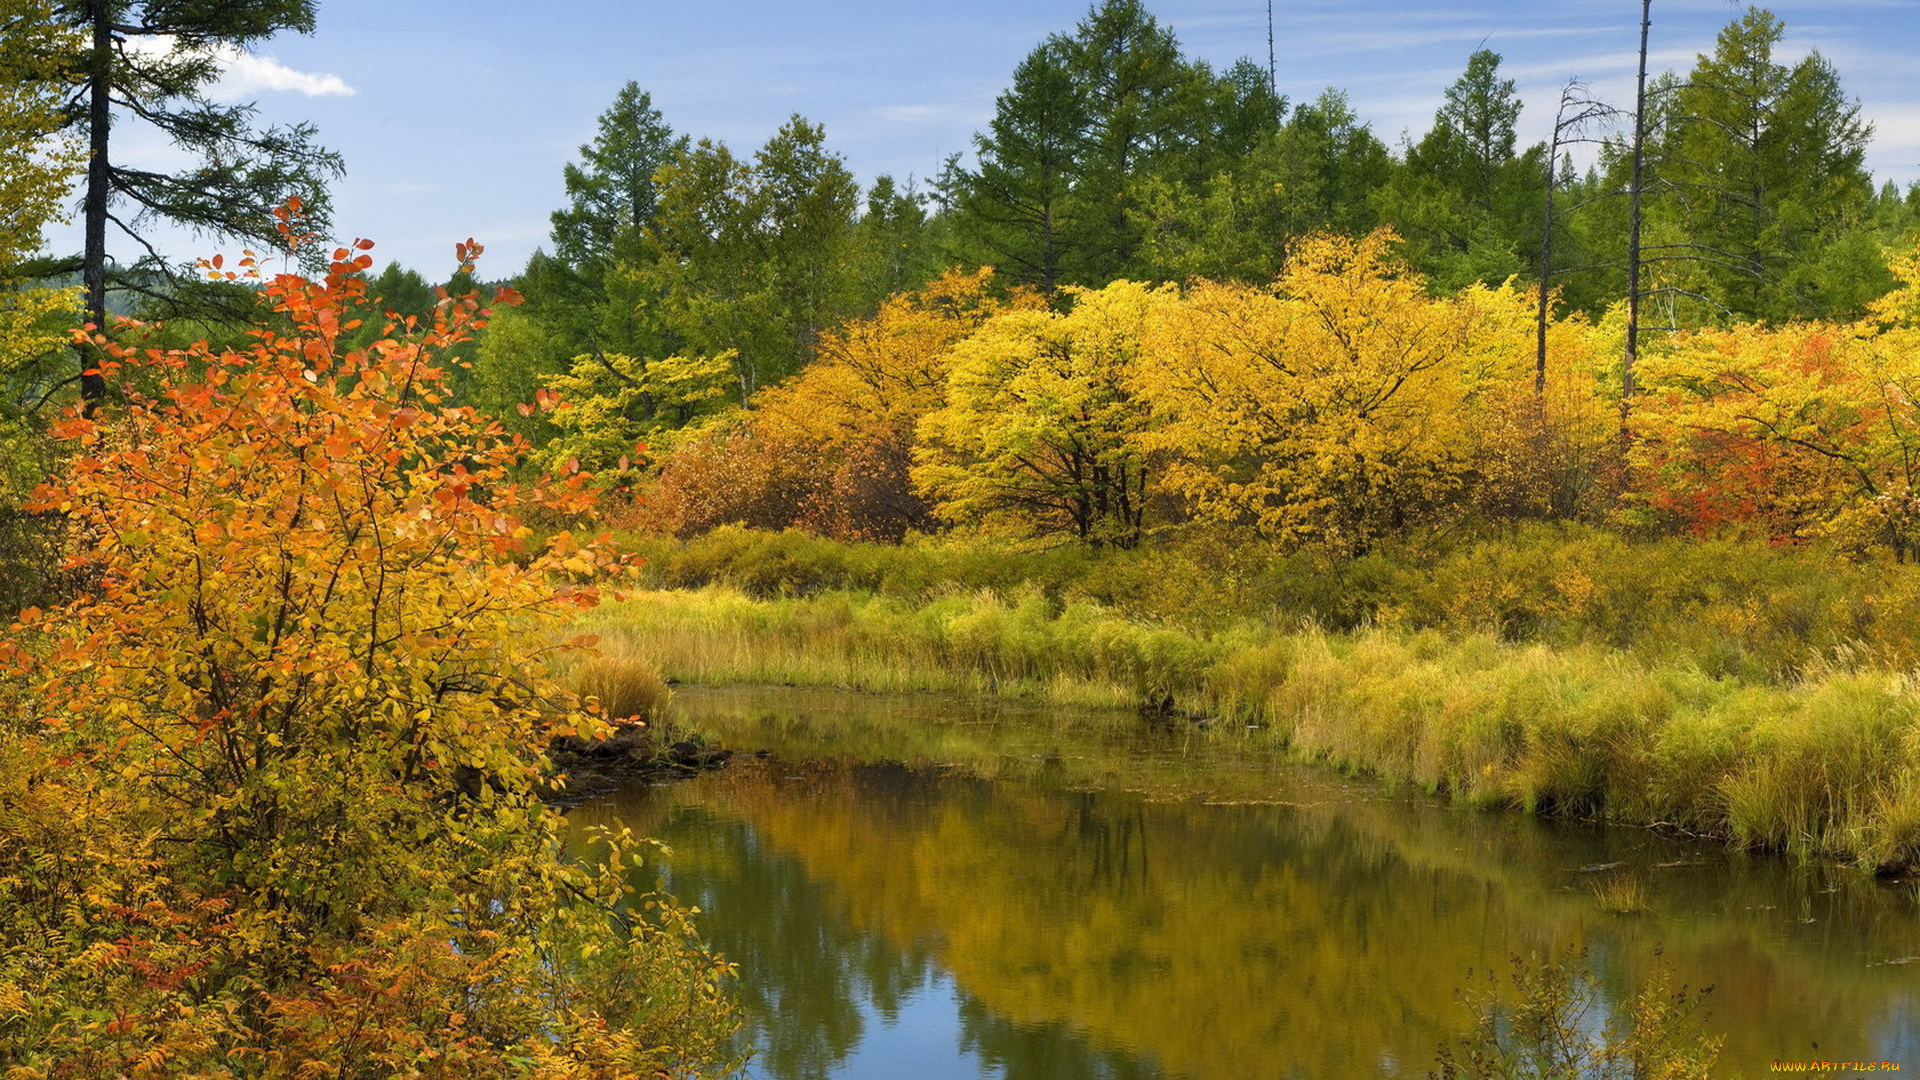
{"points": [[1633, 231], [1273, 70], [1546, 259], [1577, 111]]}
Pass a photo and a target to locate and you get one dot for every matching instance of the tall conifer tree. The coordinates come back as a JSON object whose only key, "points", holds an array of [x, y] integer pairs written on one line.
{"points": [[1129, 72], [151, 62], [1099, 127], [1016, 201], [1462, 197], [1759, 180], [611, 197], [592, 294]]}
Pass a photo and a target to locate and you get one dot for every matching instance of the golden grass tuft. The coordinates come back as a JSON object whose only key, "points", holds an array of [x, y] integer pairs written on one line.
{"points": [[1620, 894], [627, 686]]}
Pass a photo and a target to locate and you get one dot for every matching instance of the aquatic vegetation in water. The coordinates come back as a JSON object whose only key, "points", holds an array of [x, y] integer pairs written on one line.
{"points": [[1557, 1024], [1621, 894]]}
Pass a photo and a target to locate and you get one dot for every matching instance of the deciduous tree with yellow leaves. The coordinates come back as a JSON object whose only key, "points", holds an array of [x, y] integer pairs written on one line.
{"points": [[1039, 435], [829, 451], [1793, 432], [606, 405], [1335, 407], [35, 167]]}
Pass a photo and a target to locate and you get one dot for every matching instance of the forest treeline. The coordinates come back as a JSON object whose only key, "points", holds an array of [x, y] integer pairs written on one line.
{"points": [[1100, 322], [1157, 295]]}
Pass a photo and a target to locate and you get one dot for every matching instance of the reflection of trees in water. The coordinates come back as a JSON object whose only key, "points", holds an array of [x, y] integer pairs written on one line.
{"points": [[807, 971], [1109, 848], [810, 977], [1042, 1051], [1327, 937]]}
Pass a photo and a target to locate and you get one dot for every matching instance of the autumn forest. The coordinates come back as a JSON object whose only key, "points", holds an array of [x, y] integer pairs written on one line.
{"points": [[1579, 479]]}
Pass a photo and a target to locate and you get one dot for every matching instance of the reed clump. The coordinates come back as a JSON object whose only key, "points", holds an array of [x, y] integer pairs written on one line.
{"points": [[626, 686], [1620, 894]]}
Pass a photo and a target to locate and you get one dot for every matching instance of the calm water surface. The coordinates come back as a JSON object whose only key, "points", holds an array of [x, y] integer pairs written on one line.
{"points": [[924, 889]]}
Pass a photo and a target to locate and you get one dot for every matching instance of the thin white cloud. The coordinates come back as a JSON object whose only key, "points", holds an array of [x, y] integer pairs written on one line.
{"points": [[246, 75], [1896, 140], [915, 114]]}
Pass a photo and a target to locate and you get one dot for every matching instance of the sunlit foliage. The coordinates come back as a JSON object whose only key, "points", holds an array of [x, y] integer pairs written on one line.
{"points": [[272, 780], [830, 450], [606, 405], [1795, 432], [1038, 434], [1337, 406], [34, 173]]}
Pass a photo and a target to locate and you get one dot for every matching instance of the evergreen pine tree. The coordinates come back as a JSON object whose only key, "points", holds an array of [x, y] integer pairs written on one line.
{"points": [[144, 62]]}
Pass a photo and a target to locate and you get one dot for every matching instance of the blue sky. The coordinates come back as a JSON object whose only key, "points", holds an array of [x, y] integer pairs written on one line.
{"points": [[456, 118]]}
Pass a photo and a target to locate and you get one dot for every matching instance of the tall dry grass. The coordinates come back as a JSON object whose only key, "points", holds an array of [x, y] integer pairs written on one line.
{"points": [[1826, 763], [1740, 611], [624, 683]]}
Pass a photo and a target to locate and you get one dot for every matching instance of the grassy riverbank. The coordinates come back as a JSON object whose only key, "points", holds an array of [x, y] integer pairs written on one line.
{"points": [[1762, 696]]}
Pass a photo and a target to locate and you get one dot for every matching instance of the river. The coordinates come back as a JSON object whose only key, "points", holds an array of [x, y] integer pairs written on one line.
{"points": [[927, 888]]}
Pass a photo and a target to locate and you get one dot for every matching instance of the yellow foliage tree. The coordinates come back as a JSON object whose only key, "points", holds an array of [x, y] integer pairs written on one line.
{"points": [[1039, 435], [1755, 430], [35, 168], [1337, 406], [877, 377], [829, 450], [35, 163], [1542, 442], [606, 404]]}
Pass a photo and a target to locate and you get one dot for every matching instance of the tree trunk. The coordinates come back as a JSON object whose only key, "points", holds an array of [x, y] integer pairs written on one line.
{"points": [[93, 386], [1633, 231], [1542, 307]]}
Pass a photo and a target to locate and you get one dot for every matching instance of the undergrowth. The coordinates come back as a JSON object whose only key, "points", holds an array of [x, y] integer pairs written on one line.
{"points": [[1729, 609]]}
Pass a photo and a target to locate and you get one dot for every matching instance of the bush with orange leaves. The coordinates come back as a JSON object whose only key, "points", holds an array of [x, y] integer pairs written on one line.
{"points": [[831, 451], [1795, 432], [233, 834]]}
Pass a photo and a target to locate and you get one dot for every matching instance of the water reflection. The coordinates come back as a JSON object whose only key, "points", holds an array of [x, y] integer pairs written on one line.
{"points": [[927, 893]]}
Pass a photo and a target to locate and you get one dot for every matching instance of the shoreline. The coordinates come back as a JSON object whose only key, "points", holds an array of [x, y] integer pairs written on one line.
{"points": [[1817, 768]]}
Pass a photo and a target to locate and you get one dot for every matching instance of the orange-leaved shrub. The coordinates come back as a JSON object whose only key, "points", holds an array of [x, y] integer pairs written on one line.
{"points": [[268, 803], [831, 451], [1796, 432]]}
